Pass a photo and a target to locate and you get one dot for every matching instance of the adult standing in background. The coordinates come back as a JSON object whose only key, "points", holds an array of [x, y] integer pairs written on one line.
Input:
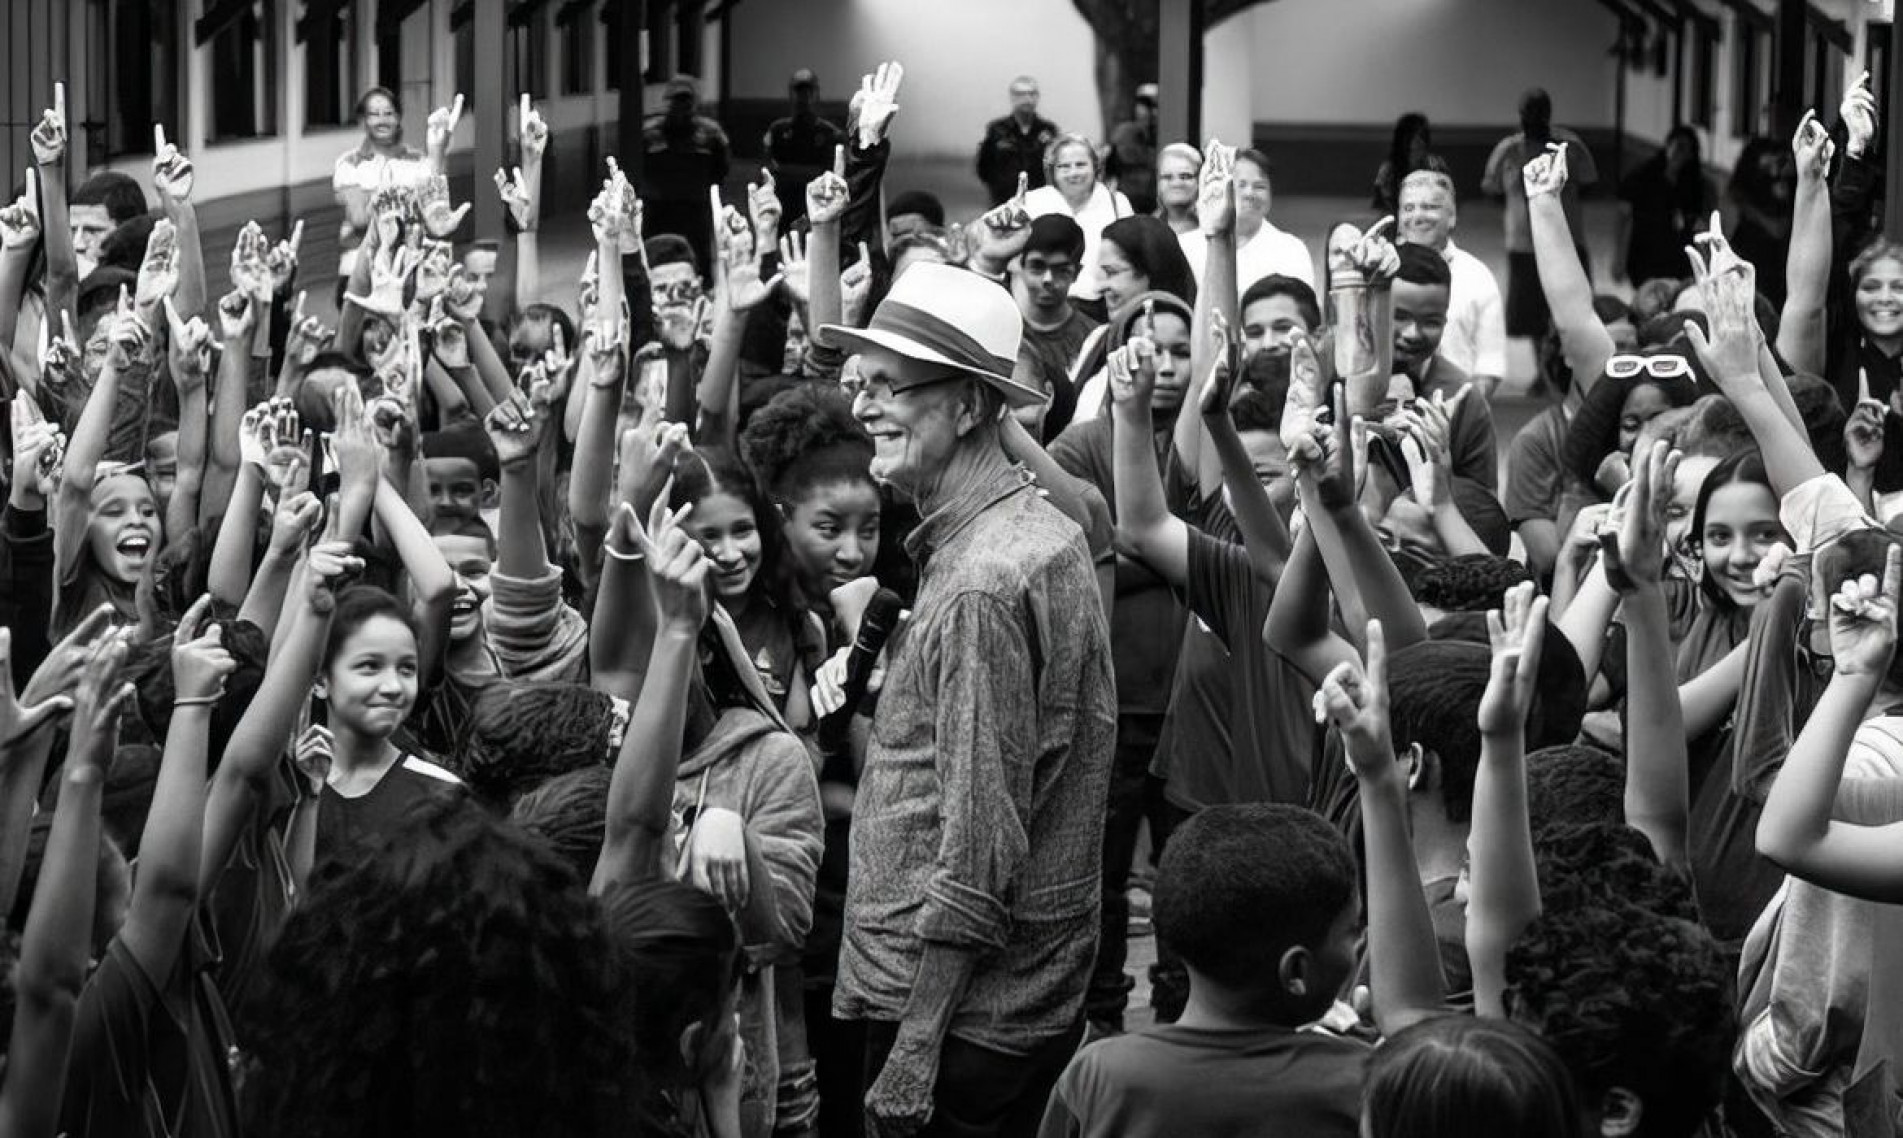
{"points": [[1526, 304], [1077, 190], [1410, 150], [1129, 163], [971, 913], [1015, 144], [1759, 200], [1261, 249], [380, 159], [800, 146], [1662, 202], [686, 152], [1177, 168], [1475, 340]]}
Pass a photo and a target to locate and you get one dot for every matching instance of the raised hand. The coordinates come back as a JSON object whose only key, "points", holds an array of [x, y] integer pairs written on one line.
{"points": [[678, 326], [280, 260], [463, 296], [1355, 700], [441, 126], [1638, 552], [449, 339], [48, 138], [19, 720], [128, 336], [432, 272], [1429, 472], [1374, 255], [390, 272], [1545, 173], [764, 210], [158, 273], [20, 222], [794, 266], [1859, 113], [1813, 149], [828, 195], [607, 352], [877, 102], [1003, 231], [1301, 410], [1729, 287], [517, 197], [740, 270], [295, 522], [237, 318], [1516, 632], [532, 130], [250, 271], [316, 750], [1863, 621], [439, 220], [200, 663], [855, 287], [353, 441], [38, 449], [308, 336], [1132, 373], [1863, 430], [678, 570], [59, 355], [332, 566], [1216, 190], [287, 447], [100, 699], [172, 174], [188, 348], [515, 424]]}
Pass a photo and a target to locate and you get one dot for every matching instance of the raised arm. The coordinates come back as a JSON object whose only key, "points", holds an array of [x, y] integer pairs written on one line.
{"points": [[432, 585], [19, 237], [1584, 340], [1503, 894], [48, 140], [238, 319], [26, 739], [641, 793], [173, 177], [1146, 529], [590, 480], [826, 199], [165, 890], [516, 428], [1802, 333], [1658, 787], [1263, 534], [1404, 961], [1216, 308], [58, 937], [127, 341], [1079, 500], [1796, 829], [189, 354], [738, 291], [624, 601]]}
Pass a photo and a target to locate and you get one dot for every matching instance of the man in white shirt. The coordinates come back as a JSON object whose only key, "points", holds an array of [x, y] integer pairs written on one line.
{"points": [[1476, 337], [1261, 248]]}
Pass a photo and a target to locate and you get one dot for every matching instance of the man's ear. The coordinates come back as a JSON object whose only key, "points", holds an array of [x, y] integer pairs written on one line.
{"points": [[1421, 766], [491, 495], [693, 1038], [1291, 971], [1620, 1113]]}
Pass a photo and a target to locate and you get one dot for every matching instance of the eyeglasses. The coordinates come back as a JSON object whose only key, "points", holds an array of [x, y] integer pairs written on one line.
{"points": [[1062, 271], [1658, 367], [854, 382]]}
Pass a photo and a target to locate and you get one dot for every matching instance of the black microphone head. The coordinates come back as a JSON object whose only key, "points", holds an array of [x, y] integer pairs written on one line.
{"points": [[882, 612]]}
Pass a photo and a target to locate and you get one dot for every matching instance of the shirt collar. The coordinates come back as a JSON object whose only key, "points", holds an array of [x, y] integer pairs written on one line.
{"points": [[981, 477], [1450, 252]]}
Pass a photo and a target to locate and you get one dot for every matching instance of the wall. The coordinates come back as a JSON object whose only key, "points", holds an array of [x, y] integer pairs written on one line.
{"points": [[959, 60]]}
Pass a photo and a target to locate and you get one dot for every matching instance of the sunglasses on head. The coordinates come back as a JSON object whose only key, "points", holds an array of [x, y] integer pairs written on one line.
{"points": [[1626, 365]]}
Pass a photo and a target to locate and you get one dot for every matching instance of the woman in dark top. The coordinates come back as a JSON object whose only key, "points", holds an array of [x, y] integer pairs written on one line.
{"points": [[1407, 153], [1663, 202], [1759, 196]]}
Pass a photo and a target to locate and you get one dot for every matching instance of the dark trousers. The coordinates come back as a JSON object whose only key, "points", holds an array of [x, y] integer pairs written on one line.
{"points": [[983, 1093], [839, 1053], [1134, 796]]}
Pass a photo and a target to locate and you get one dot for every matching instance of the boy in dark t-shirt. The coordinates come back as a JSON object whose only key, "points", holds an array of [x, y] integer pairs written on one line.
{"points": [[1261, 903]]}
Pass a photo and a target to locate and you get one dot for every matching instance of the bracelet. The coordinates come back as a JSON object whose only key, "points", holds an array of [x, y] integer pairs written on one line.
{"points": [[203, 701], [620, 556]]}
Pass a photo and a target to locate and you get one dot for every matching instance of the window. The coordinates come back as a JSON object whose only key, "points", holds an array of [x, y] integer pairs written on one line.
{"points": [[134, 81], [576, 19], [244, 67], [1702, 75], [329, 32], [528, 50], [1748, 90]]}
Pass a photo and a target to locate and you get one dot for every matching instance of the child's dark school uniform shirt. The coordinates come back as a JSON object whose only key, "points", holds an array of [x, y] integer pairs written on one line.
{"points": [[1173, 1080], [343, 823]]}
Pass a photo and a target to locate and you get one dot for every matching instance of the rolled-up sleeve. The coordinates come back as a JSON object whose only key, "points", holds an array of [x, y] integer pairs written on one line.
{"points": [[535, 634], [986, 729]]}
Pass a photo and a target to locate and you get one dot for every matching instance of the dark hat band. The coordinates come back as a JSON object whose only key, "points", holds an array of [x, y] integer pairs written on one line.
{"points": [[921, 326]]}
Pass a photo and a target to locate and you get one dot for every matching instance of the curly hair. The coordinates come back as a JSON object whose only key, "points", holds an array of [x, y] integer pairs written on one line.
{"points": [[522, 733], [1574, 783], [1585, 864], [806, 437], [1457, 1075], [1473, 583], [458, 981], [149, 669], [1629, 999]]}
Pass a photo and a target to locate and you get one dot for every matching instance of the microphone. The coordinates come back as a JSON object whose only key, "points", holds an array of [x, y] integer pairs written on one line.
{"points": [[881, 616]]}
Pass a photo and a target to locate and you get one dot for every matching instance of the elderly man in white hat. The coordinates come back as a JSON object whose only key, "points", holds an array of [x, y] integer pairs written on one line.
{"points": [[971, 917]]}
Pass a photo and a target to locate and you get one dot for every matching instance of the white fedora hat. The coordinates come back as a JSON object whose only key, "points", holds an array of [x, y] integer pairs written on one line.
{"points": [[945, 315]]}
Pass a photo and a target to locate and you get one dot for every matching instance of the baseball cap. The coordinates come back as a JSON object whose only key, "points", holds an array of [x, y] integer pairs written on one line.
{"points": [[804, 77], [1146, 93]]}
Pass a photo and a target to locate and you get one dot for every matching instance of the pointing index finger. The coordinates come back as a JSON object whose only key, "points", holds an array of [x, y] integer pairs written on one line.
{"points": [[839, 161], [59, 102], [297, 236], [158, 140], [456, 111]]}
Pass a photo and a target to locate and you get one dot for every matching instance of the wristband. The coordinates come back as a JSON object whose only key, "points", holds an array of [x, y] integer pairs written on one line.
{"points": [[202, 701], [620, 556]]}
